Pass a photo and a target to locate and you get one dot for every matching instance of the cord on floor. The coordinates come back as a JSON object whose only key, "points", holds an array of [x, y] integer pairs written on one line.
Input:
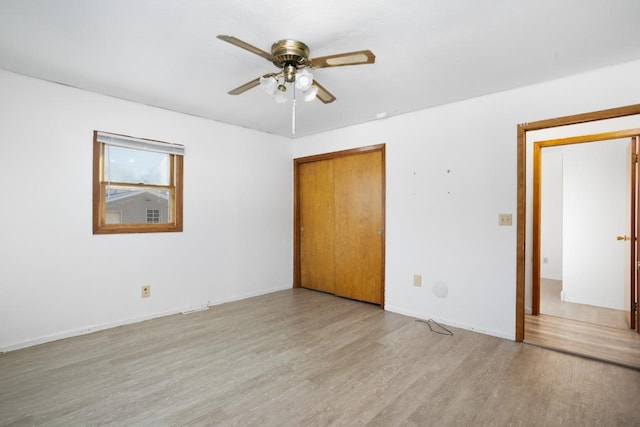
{"points": [[430, 321]]}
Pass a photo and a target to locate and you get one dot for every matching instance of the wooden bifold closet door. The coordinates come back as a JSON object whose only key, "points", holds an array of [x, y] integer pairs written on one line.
{"points": [[340, 223]]}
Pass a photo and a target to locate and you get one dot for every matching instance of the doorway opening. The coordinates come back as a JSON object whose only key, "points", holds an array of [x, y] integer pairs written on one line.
{"points": [[528, 237], [583, 213]]}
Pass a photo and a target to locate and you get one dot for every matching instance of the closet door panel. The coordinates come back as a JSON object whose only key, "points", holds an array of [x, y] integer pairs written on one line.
{"points": [[358, 226], [317, 233]]}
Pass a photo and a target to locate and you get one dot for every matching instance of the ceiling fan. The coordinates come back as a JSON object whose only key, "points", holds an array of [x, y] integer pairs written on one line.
{"points": [[292, 58]]}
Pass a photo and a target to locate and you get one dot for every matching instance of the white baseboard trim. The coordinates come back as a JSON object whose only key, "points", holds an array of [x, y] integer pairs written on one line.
{"points": [[455, 324], [108, 325], [247, 295]]}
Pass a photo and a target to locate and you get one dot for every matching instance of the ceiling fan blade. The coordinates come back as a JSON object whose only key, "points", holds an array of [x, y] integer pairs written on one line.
{"points": [[323, 95], [245, 87], [246, 46], [340, 59]]}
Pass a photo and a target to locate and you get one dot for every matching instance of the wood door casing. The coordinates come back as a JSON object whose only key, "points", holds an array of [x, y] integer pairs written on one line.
{"points": [[631, 244], [355, 211], [634, 319], [316, 230]]}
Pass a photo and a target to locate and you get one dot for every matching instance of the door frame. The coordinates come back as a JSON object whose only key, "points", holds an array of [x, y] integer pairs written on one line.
{"points": [[537, 199], [522, 130], [296, 205]]}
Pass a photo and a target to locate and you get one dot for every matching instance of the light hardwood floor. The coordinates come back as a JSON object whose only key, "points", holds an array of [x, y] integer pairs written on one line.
{"points": [[304, 358], [551, 304], [590, 331]]}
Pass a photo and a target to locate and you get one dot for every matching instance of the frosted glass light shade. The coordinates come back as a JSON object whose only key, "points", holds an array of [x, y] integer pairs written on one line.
{"points": [[269, 84], [280, 97], [304, 80], [310, 95]]}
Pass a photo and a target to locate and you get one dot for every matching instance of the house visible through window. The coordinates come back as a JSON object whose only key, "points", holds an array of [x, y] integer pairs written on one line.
{"points": [[137, 185]]}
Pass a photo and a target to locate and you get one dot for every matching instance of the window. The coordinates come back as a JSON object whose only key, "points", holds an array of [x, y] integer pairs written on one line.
{"points": [[153, 215], [137, 185]]}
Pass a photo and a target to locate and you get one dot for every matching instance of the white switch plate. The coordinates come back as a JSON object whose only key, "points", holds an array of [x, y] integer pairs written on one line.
{"points": [[504, 219]]}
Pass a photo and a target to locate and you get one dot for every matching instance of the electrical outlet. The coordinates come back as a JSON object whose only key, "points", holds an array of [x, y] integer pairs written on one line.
{"points": [[504, 219], [146, 291], [417, 280]]}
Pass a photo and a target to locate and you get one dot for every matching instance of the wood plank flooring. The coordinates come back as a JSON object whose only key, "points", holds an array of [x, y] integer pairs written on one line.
{"points": [[304, 358], [621, 346], [551, 304], [590, 331]]}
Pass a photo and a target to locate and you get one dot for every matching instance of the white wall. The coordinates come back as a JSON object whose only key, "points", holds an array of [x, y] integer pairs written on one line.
{"points": [[594, 213], [57, 279], [551, 214], [450, 171]]}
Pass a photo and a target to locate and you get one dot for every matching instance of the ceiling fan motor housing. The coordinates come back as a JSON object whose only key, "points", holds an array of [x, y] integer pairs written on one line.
{"points": [[290, 53]]}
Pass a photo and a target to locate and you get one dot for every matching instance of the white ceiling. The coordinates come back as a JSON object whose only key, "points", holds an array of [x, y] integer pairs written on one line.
{"points": [[428, 52]]}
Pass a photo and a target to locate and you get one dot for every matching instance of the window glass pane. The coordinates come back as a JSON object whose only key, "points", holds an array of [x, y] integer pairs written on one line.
{"points": [[136, 166], [153, 215], [114, 217], [138, 205]]}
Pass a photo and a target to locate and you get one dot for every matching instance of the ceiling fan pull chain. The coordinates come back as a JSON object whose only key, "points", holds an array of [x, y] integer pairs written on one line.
{"points": [[293, 112]]}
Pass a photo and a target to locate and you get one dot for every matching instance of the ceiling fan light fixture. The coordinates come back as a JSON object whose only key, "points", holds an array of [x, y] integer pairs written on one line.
{"points": [[269, 84], [310, 94], [281, 95], [304, 80]]}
